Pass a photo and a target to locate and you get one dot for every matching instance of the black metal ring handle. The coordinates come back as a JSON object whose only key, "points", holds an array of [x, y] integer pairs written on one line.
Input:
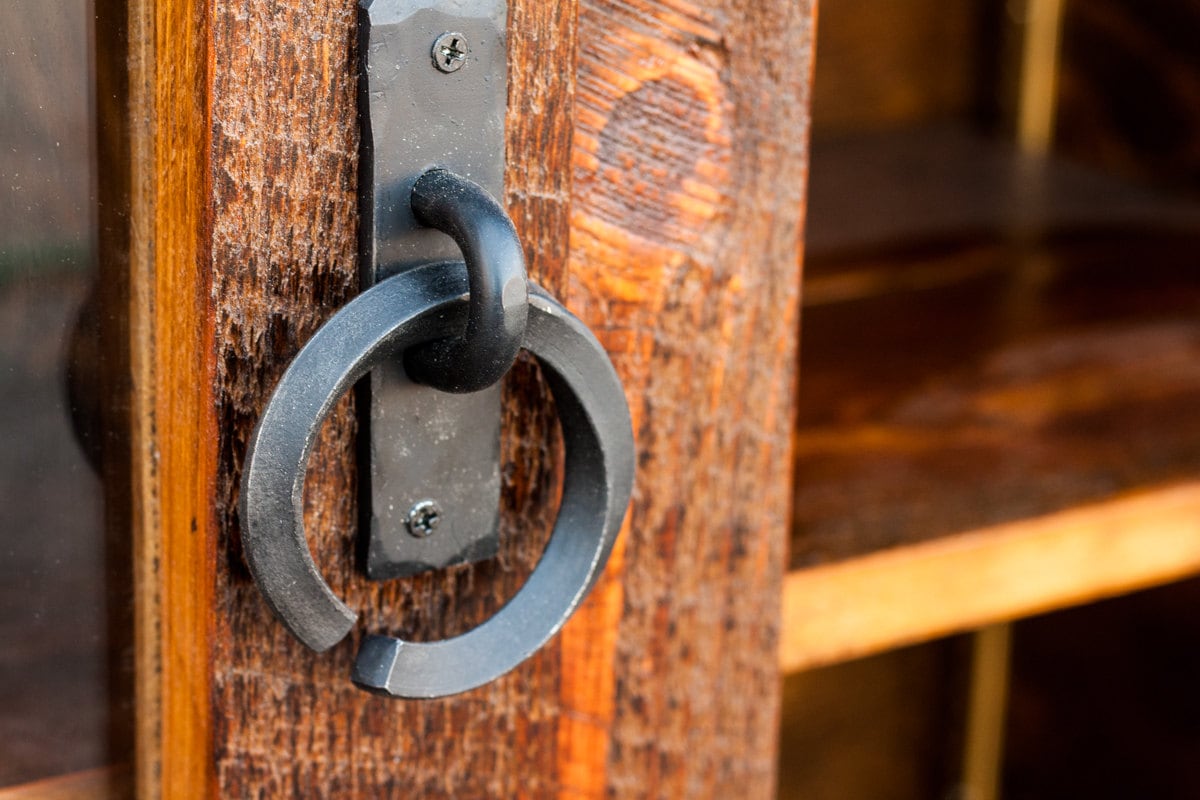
{"points": [[393, 315], [498, 302]]}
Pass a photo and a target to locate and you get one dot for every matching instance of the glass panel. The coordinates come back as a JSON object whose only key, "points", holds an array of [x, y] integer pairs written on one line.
{"points": [[55, 653]]}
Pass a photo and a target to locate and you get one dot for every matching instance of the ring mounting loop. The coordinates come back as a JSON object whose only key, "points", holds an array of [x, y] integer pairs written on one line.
{"points": [[499, 296]]}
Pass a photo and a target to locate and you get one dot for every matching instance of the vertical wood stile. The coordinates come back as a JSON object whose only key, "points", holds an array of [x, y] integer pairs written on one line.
{"points": [[154, 178], [690, 170]]}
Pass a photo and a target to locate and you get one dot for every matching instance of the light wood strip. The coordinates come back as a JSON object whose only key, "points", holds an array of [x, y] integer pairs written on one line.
{"points": [[105, 783], [173, 422], [897, 597]]}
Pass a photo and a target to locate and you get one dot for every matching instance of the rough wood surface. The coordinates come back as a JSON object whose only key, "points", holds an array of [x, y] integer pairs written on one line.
{"points": [[289, 723], [679, 243], [689, 187]]}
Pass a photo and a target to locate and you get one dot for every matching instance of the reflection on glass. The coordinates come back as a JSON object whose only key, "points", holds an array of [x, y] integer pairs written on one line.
{"points": [[54, 660]]}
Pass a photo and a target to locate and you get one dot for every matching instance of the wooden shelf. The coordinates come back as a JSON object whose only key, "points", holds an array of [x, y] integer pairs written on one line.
{"points": [[956, 583], [998, 412]]}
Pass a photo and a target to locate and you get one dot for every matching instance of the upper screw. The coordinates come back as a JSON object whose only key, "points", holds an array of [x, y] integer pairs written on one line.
{"points": [[424, 518], [450, 52]]}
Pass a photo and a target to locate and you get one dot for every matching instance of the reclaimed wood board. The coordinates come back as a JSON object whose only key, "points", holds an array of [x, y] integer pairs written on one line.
{"points": [[657, 166]]}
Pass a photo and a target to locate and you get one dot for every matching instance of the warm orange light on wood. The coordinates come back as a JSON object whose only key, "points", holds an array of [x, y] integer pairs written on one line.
{"points": [[961, 582]]}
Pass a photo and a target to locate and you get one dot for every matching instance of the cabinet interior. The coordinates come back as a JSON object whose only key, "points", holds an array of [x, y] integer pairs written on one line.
{"points": [[998, 381]]}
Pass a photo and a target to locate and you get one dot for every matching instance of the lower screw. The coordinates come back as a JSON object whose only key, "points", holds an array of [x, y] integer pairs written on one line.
{"points": [[424, 518]]}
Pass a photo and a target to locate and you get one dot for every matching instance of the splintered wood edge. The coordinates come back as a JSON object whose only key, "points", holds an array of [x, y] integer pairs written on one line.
{"points": [[912, 594]]}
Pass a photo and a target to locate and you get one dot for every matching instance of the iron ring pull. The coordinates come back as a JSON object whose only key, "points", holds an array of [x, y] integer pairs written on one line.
{"points": [[417, 306]]}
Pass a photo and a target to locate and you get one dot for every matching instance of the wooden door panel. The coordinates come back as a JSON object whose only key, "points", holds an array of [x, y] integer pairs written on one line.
{"points": [[686, 220], [656, 168], [288, 721]]}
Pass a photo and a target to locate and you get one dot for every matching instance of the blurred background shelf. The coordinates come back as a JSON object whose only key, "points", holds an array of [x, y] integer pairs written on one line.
{"points": [[876, 193], [968, 580], [990, 339], [998, 399]]}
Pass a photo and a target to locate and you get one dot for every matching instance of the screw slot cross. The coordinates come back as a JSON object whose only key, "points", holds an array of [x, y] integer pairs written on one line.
{"points": [[424, 518], [450, 52]]}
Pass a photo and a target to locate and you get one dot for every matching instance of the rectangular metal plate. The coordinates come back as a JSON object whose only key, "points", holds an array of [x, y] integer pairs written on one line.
{"points": [[422, 444]]}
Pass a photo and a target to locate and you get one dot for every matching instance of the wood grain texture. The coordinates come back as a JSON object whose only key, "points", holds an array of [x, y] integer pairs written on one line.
{"points": [[151, 736], [689, 186], [678, 242], [172, 427], [911, 594], [284, 259]]}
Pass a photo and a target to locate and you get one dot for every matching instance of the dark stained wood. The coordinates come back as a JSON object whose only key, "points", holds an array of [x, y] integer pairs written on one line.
{"points": [[948, 274], [886, 726], [873, 190], [888, 63], [100, 367], [1034, 377], [1103, 700], [930, 251], [1129, 88]]}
